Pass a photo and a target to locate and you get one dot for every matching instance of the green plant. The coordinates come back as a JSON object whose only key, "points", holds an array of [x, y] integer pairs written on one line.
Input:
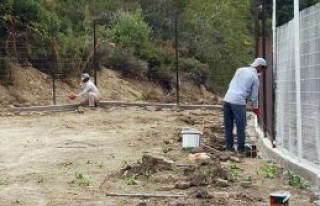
{"points": [[131, 180], [89, 162], [270, 170], [295, 180], [5, 73], [4, 182], [129, 29], [147, 174], [208, 174], [41, 180], [233, 172], [176, 170], [155, 56], [81, 179], [247, 179], [100, 165]]}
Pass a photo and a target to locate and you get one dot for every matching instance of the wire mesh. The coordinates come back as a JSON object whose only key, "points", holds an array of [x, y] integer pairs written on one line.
{"points": [[310, 82], [286, 105]]}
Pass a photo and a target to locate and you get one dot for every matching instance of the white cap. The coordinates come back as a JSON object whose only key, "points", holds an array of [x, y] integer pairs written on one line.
{"points": [[85, 76], [259, 61]]}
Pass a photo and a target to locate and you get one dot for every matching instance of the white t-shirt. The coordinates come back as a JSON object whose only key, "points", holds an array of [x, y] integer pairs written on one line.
{"points": [[244, 83], [89, 88]]}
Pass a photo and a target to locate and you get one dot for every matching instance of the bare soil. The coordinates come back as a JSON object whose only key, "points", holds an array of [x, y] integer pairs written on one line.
{"points": [[30, 87], [74, 158]]}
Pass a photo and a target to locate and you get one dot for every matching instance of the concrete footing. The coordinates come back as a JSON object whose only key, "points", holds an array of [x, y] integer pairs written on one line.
{"points": [[72, 107], [306, 170]]}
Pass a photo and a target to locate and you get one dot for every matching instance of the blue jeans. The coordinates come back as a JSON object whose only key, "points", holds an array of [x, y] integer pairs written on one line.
{"points": [[237, 113]]}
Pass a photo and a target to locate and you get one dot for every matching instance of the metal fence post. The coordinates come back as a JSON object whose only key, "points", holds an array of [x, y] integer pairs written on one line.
{"points": [[264, 76], [54, 96], [94, 53], [296, 21], [176, 54]]}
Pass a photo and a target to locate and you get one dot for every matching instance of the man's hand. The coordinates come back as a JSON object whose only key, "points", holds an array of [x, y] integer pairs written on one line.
{"points": [[256, 111]]}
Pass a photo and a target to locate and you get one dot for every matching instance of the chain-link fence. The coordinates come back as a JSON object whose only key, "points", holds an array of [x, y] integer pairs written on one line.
{"points": [[160, 51], [37, 68], [297, 110]]}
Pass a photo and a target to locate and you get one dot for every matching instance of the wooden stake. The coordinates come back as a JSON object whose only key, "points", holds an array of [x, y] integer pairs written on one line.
{"points": [[141, 195], [211, 150]]}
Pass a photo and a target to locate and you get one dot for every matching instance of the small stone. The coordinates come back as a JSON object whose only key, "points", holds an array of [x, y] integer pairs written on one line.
{"points": [[235, 159], [166, 141], [151, 108], [246, 184], [203, 194], [142, 203], [224, 156], [11, 106], [222, 183], [176, 109], [182, 185], [203, 161]]}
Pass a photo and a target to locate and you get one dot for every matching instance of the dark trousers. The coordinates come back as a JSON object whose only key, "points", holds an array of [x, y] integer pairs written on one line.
{"points": [[234, 113]]}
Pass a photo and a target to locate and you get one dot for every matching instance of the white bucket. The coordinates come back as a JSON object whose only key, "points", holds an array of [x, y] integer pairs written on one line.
{"points": [[191, 138]]}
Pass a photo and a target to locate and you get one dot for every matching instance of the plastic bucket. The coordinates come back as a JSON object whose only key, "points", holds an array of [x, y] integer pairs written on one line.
{"points": [[191, 138], [279, 198]]}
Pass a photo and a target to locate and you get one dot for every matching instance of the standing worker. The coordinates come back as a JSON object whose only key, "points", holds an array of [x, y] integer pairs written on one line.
{"points": [[244, 83], [89, 94]]}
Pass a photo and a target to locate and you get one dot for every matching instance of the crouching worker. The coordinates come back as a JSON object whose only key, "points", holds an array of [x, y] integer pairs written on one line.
{"points": [[89, 94]]}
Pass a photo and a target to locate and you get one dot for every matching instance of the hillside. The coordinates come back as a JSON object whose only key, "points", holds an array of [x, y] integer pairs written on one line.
{"points": [[32, 87]]}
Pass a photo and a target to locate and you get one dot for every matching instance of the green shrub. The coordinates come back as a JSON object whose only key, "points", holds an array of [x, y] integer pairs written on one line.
{"points": [[195, 69], [162, 75], [271, 171], [153, 55], [187, 64], [132, 67], [129, 29], [200, 73], [295, 180], [5, 77]]}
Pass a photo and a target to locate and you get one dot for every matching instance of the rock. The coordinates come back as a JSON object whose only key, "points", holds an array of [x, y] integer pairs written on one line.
{"points": [[203, 161], [224, 156], [166, 150], [246, 184], [156, 159], [222, 183], [142, 203], [23, 114], [203, 194], [158, 108], [10, 106], [176, 109], [235, 159], [166, 141], [187, 119], [151, 108], [182, 185]]}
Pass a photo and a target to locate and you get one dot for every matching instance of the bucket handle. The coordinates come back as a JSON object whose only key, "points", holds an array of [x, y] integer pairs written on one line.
{"points": [[285, 199]]}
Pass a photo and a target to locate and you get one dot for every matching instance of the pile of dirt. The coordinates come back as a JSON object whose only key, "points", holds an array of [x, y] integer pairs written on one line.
{"points": [[31, 87]]}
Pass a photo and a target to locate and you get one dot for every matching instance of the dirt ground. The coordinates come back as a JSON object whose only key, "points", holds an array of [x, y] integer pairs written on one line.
{"points": [[74, 158]]}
